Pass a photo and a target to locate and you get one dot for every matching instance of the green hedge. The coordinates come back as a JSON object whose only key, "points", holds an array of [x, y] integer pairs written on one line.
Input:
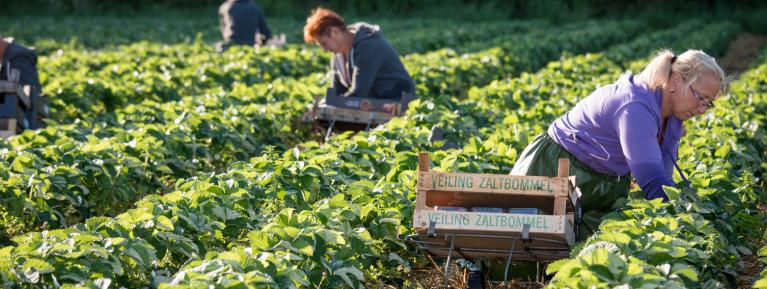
{"points": [[469, 8]]}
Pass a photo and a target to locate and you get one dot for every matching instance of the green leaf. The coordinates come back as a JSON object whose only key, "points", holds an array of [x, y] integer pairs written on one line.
{"points": [[225, 213], [259, 240], [722, 151], [38, 265], [763, 252], [345, 274], [761, 284], [672, 192], [331, 237], [140, 252], [744, 251], [686, 271], [136, 216], [338, 201], [165, 223]]}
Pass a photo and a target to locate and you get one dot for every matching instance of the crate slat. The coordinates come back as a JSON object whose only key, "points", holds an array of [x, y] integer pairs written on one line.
{"points": [[352, 115], [490, 183]]}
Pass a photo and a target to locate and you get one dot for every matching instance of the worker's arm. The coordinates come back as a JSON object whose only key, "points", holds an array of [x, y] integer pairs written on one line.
{"points": [[223, 20], [337, 85], [638, 132], [263, 26]]}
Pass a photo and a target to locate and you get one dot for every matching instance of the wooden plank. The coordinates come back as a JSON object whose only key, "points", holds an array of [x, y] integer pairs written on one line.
{"points": [[352, 115], [471, 200], [420, 197], [563, 170], [360, 103], [497, 240], [8, 87], [489, 222], [7, 127], [423, 162], [570, 229], [560, 204], [490, 183], [7, 134]]}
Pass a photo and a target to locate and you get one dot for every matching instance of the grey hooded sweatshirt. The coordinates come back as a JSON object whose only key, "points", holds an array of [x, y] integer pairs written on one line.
{"points": [[373, 69]]}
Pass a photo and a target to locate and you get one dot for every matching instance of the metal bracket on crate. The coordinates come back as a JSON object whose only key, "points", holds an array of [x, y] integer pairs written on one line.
{"points": [[508, 262], [447, 263], [432, 229], [370, 121], [577, 207], [526, 232], [330, 129]]}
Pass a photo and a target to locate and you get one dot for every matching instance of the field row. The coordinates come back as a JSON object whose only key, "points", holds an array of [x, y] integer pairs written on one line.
{"points": [[319, 215], [66, 173]]}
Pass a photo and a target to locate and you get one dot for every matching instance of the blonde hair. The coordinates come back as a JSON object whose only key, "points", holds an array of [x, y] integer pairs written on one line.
{"points": [[690, 64]]}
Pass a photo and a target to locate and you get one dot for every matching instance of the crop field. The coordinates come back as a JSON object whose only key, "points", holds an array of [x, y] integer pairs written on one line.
{"points": [[166, 164]]}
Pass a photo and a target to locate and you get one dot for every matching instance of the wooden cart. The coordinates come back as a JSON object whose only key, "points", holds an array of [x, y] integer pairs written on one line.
{"points": [[355, 113], [472, 234]]}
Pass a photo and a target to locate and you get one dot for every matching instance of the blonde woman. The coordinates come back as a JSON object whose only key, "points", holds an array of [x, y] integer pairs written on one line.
{"points": [[630, 128]]}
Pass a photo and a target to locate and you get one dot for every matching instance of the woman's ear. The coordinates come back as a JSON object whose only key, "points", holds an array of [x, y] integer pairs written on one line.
{"points": [[334, 33], [676, 79]]}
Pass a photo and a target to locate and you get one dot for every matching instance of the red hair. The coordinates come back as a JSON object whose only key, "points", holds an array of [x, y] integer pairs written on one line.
{"points": [[320, 22]]}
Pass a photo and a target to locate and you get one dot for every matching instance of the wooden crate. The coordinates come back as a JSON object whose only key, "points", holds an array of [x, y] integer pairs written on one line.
{"points": [[488, 235], [12, 86], [8, 86], [355, 111], [331, 113]]}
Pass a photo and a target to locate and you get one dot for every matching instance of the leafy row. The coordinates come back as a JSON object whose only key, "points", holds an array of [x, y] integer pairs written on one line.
{"points": [[51, 33], [294, 183], [86, 84], [101, 168]]}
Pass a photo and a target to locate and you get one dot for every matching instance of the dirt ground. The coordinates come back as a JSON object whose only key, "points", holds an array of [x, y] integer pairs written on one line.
{"points": [[433, 277], [750, 267], [742, 52]]}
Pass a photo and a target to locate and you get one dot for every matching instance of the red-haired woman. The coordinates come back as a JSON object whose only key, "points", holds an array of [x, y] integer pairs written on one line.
{"points": [[364, 63]]}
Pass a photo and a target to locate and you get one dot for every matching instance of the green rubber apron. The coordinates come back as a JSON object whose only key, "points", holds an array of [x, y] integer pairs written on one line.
{"points": [[599, 191]]}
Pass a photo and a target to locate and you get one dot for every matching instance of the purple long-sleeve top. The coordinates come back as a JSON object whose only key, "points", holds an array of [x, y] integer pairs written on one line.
{"points": [[615, 131]]}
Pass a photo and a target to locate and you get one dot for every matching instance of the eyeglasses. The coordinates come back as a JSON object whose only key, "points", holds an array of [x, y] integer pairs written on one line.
{"points": [[709, 104]]}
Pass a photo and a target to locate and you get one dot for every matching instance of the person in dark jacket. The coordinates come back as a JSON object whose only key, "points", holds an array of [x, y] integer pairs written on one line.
{"points": [[243, 23], [15, 56], [364, 63]]}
